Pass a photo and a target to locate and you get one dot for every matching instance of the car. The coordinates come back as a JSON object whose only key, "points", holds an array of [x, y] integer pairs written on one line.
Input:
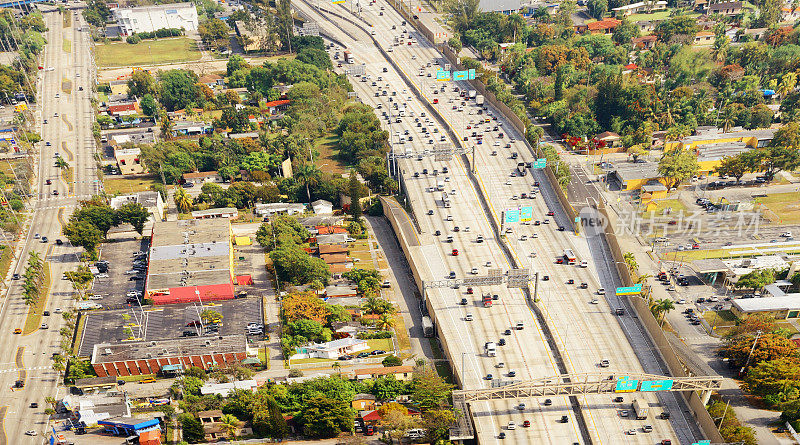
{"points": [[584, 285], [18, 331], [514, 374], [46, 313], [34, 404], [495, 297], [604, 363], [378, 352], [526, 424], [507, 332], [502, 435], [15, 276], [430, 212], [345, 357], [501, 342], [623, 413], [474, 271], [647, 428], [666, 442], [618, 399], [455, 252], [136, 278], [30, 433], [463, 302], [468, 317], [55, 192], [57, 310], [44, 239], [363, 355], [489, 377], [564, 419], [546, 278], [551, 213], [631, 432]]}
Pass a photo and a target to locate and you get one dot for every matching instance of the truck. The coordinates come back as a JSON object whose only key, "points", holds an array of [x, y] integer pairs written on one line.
{"points": [[440, 186], [427, 326], [479, 99], [490, 348], [521, 168], [487, 300], [472, 94], [348, 57], [569, 257], [84, 305], [445, 200], [640, 409]]}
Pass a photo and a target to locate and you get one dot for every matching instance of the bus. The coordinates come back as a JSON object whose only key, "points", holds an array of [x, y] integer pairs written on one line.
{"points": [[569, 257]]}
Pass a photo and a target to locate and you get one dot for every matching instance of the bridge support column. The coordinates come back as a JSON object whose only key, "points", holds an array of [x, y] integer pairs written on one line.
{"points": [[706, 396]]}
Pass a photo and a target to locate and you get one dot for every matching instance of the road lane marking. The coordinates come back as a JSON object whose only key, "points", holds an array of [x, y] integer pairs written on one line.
{"points": [[3, 438]]}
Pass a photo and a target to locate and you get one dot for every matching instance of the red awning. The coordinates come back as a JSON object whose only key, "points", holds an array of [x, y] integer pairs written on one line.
{"points": [[244, 280]]}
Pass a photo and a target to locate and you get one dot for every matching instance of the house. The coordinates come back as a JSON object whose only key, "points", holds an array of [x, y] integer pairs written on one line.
{"points": [[96, 385], [369, 417], [704, 38], [640, 8], [277, 106], [248, 135], [200, 178], [129, 160], [402, 373], [363, 402], [336, 258], [329, 230], [609, 137], [211, 80], [644, 42], [335, 238], [645, 26], [728, 9], [605, 26], [225, 212], [755, 33], [189, 128], [213, 429], [328, 249], [274, 208], [336, 348], [225, 389], [154, 17], [149, 200], [119, 111], [322, 207]]}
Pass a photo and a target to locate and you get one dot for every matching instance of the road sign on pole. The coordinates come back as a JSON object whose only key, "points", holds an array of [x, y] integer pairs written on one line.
{"points": [[471, 74], [540, 163]]}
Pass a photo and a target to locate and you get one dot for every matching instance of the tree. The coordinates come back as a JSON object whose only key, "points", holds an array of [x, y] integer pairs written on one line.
{"points": [[61, 163], [354, 192], [637, 151], [397, 422], [83, 233], [308, 175], [182, 200], [735, 166], [677, 166], [437, 423], [209, 316], [455, 44], [429, 390], [229, 424], [150, 106], [625, 32], [141, 84], [679, 25], [214, 33], [192, 428], [295, 265], [391, 360], [304, 306], [134, 214], [597, 8], [285, 22], [323, 417], [756, 279], [178, 89], [235, 119], [315, 56], [662, 307], [768, 347], [385, 322], [777, 381]]}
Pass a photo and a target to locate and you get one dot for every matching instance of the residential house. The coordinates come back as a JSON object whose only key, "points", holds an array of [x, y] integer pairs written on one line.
{"points": [[369, 417], [329, 230], [340, 291], [644, 42], [605, 26], [640, 8], [335, 238], [200, 178], [402, 373], [183, 115], [704, 38], [728, 9], [274, 208], [213, 429], [276, 107], [191, 129], [322, 207], [225, 212], [502, 6], [333, 349], [225, 389], [211, 80], [755, 33], [122, 110], [609, 137], [129, 160], [328, 249], [149, 200], [363, 402], [645, 26], [248, 135]]}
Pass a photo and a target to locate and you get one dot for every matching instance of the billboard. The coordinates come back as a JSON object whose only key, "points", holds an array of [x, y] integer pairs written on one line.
{"points": [[630, 290]]}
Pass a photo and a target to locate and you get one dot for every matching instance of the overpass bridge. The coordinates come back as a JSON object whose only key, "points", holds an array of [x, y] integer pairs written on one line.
{"points": [[574, 385]]}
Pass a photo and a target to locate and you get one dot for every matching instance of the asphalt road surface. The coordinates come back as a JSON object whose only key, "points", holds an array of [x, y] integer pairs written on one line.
{"points": [[69, 134]]}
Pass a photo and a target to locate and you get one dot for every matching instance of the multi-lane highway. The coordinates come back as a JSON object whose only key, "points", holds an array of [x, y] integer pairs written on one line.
{"points": [[64, 92], [586, 332]]}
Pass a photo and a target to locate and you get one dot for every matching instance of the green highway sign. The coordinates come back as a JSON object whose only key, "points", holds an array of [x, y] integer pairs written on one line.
{"points": [[442, 75], [540, 163]]}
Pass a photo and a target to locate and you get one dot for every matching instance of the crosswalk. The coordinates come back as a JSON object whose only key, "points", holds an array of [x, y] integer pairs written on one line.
{"points": [[35, 368]]}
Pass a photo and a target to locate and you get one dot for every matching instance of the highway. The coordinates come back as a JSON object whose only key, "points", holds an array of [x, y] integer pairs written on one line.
{"points": [[69, 117], [586, 333]]}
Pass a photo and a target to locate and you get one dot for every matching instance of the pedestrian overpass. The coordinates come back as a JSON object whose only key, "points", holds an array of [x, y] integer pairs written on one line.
{"points": [[573, 385]]}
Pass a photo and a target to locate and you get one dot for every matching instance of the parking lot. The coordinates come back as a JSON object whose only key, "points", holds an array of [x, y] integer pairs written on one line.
{"points": [[118, 251], [165, 322]]}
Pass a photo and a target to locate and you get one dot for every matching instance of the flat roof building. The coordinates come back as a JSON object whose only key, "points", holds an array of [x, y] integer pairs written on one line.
{"points": [[190, 260], [501, 6], [787, 306], [154, 17], [148, 357], [632, 176]]}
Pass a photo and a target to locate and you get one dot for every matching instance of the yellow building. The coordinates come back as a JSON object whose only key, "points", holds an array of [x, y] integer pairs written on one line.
{"points": [[634, 176], [711, 146]]}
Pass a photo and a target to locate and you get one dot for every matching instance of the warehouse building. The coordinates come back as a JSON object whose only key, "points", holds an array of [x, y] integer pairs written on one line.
{"points": [[151, 18], [150, 357], [190, 260]]}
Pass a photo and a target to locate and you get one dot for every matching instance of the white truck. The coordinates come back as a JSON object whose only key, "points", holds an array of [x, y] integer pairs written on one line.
{"points": [[640, 409], [490, 348], [86, 305], [472, 94], [348, 57], [479, 99]]}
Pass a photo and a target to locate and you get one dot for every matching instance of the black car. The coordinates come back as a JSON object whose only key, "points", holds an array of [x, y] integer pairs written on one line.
{"points": [[135, 278], [188, 333], [501, 342], [378, 352], [46, 313], [546, 278], [548, 402], [15, 276], [507, 332], [34, 405], [345, 357], [59, 242], [363, 355], [618, 399]]}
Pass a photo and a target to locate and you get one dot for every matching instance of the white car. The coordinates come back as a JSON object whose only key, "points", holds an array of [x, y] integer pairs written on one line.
{"points": [[468, 317], [95, 297], [682, 301], [30, 433], [474, 271], [101, 275], [786, 234], [512, 425], [584, 264], [594, 301]]}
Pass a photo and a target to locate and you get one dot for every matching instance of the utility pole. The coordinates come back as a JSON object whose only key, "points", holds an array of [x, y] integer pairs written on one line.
{"points": [[755, 342]]}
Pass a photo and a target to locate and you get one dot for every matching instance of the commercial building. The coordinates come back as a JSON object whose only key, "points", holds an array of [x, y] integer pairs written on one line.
{"points": [[751, 138], [189, 129], [149, 357], [151, 18], [632, 176], [129, 160], [501, 6], [781, 308], [190, 260], [147, 430], [710, 156]]}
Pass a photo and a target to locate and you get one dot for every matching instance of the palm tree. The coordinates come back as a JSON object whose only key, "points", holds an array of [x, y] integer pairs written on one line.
{"points": [[372, 304], [663, 306], [338, 367], [230, 424], [630, 261], [385, 322], [61, 163], [308, 175], [182, 200], [728, 119]]}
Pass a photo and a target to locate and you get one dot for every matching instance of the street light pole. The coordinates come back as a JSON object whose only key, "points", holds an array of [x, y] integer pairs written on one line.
{"points": [[758, 334]]}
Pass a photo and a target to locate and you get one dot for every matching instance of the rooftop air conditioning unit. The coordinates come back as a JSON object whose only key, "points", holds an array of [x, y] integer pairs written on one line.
{"points": [[107, 351]]}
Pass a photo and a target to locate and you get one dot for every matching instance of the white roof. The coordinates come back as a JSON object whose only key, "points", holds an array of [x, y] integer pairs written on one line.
{"points": [[336, 344], [224, 389], [789, 302]]}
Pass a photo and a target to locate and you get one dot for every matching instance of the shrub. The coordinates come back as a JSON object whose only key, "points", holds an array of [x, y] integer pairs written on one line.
{"points": [[134, 39], [391, 360], [374, 334]]}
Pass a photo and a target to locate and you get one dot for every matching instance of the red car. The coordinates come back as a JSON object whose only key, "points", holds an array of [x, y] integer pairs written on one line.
{"points": [[526, 424], [550, 213], [695, 246], [369, 430], [455, 252], [559, 260], [436, 101], [469, 291]]}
